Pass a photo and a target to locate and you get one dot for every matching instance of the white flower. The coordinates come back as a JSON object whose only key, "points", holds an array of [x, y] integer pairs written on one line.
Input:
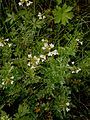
{"points": [[55, 52], [81, 43], [77, 71], [77, 39], [46, 45], [37, 61], [12, 77], [50, 54], [43, 48], [44, 17], [67, 109], [29, 55], [43, 40], [29, 3], [73, 63], [20, 3], [12, 82], [40, 15], [7, 39], [32, 67], [67, 103], [3, 83], [51, 45], [9, 44], [1, 44], [73, 71], [43, 58], [29, 64]]}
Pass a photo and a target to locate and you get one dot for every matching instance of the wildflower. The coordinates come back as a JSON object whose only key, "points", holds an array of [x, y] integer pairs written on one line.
{"points": [[43, 40], [29, 64], [44, 17], [37, 61], [29, 55], [43, 58], [1, 44], [32, 67], [40, 15], [12, 82], [77, 71], [77, 40], [45, 44], [67, 109], [43, 48], [12, 77], [55, 52], [51, 45], [29, 3], [81, 43], [3, 83], [7, 39], [67, 103], [73, 63], [73, 71], [9, 44], [50, 54], [20, 3]]}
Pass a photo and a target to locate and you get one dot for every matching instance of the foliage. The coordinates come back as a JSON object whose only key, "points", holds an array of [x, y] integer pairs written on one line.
{"points": [[40, 60]]}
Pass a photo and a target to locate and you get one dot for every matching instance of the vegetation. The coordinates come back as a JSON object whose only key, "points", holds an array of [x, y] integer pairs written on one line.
{"points": [[44, 60]]}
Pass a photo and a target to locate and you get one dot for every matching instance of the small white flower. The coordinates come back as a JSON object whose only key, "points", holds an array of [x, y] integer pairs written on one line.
{"points": [[12, 82], [35, 57], [43, 40], [29, 3], [51, 45], [12, 77], [50, 54], [7, 39], [29, 64], [29, 55], [73, 63], [1, 44], [43, 48], [39, 14], [67, 103], [77, 40], [37, 62], [40, 17], [20, 3], [32, 67], [43, 56], [44, 17], [3, 83], [77, 71], [9, 44], [46, 45], [81, 43], [55, 52], [73, 71], [67, 109]]}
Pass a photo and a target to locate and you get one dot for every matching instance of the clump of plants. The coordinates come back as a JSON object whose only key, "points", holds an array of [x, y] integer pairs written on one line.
{"points": [[38, 43]]}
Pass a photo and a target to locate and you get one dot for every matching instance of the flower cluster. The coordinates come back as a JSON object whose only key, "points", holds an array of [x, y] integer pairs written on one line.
{"points": [[5, 42], [67, 105], [33, 61], [27, 2], [41, 16], [76, 71]]}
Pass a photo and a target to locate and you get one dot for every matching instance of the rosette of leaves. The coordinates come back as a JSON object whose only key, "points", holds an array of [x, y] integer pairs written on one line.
{"points": [[62, 14]]}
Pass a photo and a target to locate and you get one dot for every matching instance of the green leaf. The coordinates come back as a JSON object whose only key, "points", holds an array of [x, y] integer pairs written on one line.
{"points": [[62, 14]]}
